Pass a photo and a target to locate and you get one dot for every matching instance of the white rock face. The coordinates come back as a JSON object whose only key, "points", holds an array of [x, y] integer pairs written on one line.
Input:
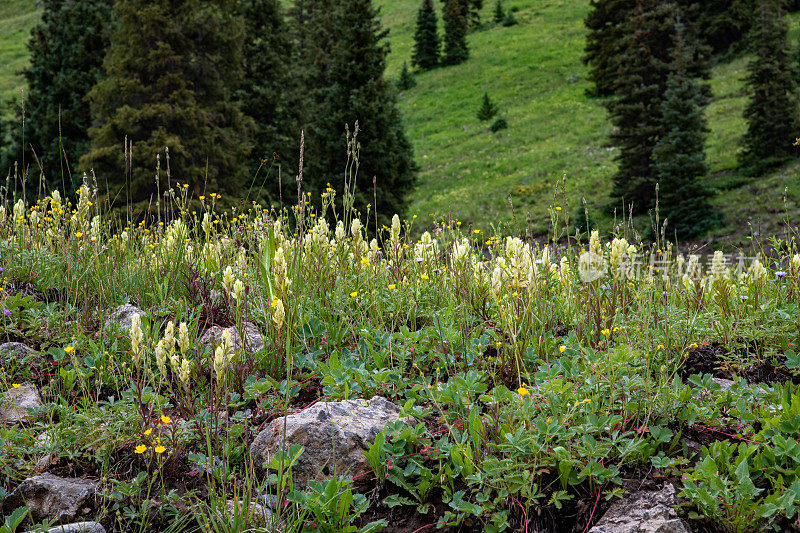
{"points": [[18, 403], [643, 512], [53, 498], [16, 350], [334, 436], [254, 340]]}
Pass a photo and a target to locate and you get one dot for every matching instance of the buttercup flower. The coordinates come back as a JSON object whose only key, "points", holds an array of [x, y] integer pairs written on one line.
{"points": [[159, 449], [140, 449], [522, 391]]}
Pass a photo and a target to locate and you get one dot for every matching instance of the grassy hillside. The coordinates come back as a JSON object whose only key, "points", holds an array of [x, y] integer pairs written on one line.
{"points": [[17, 17], [534, 72], [554, 128]]}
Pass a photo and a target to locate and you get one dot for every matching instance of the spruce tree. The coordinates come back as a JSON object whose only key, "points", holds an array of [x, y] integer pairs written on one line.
{"points": [[498, 12], [406, 80], [169, 72], [679, 157], [771, 113], [455, 34], [606, 23], [354, 91], [488, 109], [66, 49], [268, 94], [642, 68], [471, 10], [426, 38], [721, 24]]}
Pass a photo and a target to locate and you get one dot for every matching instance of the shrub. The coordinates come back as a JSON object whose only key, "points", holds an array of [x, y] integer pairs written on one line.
{"points": [[499, 124]]}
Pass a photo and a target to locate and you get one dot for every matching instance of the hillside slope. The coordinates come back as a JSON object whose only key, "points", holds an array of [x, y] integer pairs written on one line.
{"points": [[533, 71]]}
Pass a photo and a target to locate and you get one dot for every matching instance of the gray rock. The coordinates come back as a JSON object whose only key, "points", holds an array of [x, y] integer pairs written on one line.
{"points": [[122, 317], [724, 384], [643, 512], [16, 350], [254, 340], [258, 513], [53, 498], [334, 436], [77, 527], [18, 404], [574, 78]]}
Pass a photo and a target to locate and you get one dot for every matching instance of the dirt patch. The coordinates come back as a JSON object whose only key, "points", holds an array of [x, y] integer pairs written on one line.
{"points": [[719, 361]]}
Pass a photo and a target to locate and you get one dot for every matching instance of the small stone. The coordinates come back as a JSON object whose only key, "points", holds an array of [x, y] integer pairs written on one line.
{"points": [[20, 404], [53, 498], [258, 512], [333, 442], [724, 384], [16, 350], [122, 317], [77, 527], [643, 512], [574, 78], [254, 340]]}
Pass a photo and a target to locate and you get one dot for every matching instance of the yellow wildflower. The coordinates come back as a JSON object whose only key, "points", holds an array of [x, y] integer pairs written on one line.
{"points": [[522, 391], [165, 419], [159, 449], [140, 449], [562, 348], [148, 431], [15, 385]]}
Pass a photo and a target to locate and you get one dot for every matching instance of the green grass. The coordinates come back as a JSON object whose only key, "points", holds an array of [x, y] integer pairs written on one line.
{"points": [[17, 17]]}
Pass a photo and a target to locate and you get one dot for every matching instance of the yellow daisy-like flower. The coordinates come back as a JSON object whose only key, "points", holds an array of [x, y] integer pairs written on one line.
{"points": [[562, 348], [148, 431], [424, 276], [693, 346], [392, 287], [353, 294], [159, 449], [15, 385], [140, 449], [660, 347], [587, 400], [69, 349], [558, 208], [606, 332], [165, 419], [549, 419], [79, 234], [522, 391]]}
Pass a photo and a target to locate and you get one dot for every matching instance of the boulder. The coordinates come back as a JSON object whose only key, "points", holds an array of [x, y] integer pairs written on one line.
{"points": [[254, 340], [77, 527], [334, 436], [122, 317], [49, 497], [18, 404], [724, 384], [643, 512], [16, 350]]}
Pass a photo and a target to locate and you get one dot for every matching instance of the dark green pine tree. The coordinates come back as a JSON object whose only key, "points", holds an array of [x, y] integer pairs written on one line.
{"points": [[498, 12], [488, 109], [426, 38], [406, 80], [455, 34], [471, 10], [269, 96], [169, 75], [642, 68], [606, 23], [771, 113], [679, 157], [66, 48], [722, 24], [356, 91]]}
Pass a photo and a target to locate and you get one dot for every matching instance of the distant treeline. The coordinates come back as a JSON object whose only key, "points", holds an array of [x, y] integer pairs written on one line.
{"points": [[213, 94]]}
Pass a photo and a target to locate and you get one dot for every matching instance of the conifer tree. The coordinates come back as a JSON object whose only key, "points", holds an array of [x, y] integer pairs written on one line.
{"points": [[354, 91], [488, 109], [679, 157], [268, 94], [471, 9], [642, 70], [498, 12], [426, 38], [406, 80], [66, 48], [169, 72], [606, 23], [771, 113], [455, 34]]}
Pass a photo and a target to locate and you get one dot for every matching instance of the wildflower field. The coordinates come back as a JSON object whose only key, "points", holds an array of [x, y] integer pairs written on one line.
{"points": [[533, 386]]}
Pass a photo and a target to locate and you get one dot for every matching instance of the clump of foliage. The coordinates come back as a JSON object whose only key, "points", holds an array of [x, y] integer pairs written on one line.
{"points": [[406, 80], [455, 33]]}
